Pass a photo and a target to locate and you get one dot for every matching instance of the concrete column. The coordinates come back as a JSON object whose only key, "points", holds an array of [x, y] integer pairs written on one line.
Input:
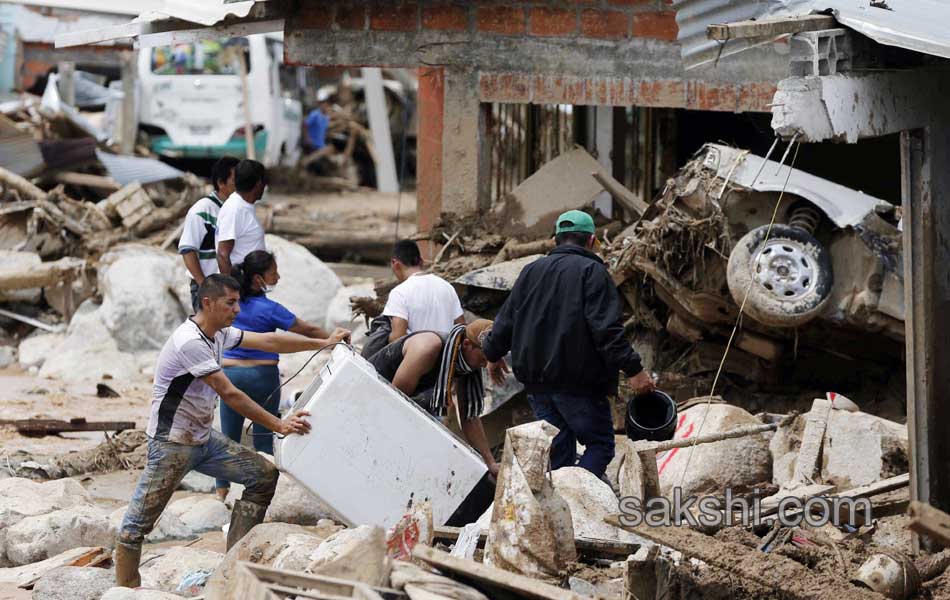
{"points": [[465, 173], [429, 148], [926, 199], [379, 124], [129, 118]]}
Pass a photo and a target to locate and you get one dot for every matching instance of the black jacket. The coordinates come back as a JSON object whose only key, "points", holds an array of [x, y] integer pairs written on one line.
{"points": [[563, 323]]}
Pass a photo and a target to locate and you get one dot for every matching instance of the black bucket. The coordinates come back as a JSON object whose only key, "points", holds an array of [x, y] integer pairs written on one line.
{"points": [[651, 416]]}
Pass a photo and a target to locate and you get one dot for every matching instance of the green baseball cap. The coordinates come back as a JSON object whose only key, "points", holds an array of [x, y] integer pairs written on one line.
{"points": [[574, 220]]}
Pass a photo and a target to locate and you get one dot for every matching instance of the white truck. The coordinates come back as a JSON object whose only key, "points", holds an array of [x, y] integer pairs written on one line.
{"points": [[192, 101]]}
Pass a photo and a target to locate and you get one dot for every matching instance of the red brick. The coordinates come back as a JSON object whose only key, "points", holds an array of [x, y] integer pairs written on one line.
{"points": [[350, 17], [607, 24], [656, 25], [583, 1], [399, 17], [446, 18], [501, 19], [553, 21], [631, 2]]}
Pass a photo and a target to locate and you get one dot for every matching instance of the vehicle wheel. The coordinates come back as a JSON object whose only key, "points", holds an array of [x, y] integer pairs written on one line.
{"points": [[790, 275]]}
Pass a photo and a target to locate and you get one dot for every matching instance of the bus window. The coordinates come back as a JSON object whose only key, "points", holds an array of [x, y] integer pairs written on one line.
{"points": [[201, 58]]}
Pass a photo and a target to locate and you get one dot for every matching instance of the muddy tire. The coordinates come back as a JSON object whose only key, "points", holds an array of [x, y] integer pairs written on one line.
{"points": [[789, 277]]}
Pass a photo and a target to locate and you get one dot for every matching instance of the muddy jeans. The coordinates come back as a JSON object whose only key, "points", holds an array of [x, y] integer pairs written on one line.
{"points": [[580, 418], [169, 462]]}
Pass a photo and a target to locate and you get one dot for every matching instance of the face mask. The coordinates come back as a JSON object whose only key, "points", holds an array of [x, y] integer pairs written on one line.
{"points": [[267, 288]]}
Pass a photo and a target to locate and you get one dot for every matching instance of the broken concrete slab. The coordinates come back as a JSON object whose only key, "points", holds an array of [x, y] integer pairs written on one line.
{"points": [[26, 576], [298, 552], [167, 571], [74, 583], [859, 448], [559, 185], [262, 545], [738, 463], [357, 554], [531, 532], [307, 285], [39, 537]]}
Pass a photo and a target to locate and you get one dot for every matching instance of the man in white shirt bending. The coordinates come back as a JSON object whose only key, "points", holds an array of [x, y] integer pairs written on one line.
{"points": [[422, 301], [239, 231]]}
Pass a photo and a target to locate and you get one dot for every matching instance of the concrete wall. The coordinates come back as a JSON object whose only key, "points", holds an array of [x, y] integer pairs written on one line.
{"points": [[593, 52]]}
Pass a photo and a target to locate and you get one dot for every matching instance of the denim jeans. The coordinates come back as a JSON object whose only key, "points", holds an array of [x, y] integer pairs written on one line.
{"points": [[580, 418], [258, 383], [169, 462]]}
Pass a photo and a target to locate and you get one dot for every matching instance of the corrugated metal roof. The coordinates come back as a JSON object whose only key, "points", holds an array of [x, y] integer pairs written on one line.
{"points": [[126, 169], [918, 25]]}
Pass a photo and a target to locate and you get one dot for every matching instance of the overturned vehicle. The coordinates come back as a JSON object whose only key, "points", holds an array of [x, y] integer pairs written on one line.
{"points": [[817, 269]]}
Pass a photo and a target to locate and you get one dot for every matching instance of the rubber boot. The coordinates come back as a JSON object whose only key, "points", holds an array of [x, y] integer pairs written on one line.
{"points": [[127, 565], [244, 516]]}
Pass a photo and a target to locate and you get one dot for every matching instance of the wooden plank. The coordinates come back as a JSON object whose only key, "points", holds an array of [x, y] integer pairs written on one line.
{"points": [[807, 466], [787, 576], [51, 426], [929, 521], [488, 579], [738, 432], [27, 575], [630, 202], [86, 179], [769, 505], [867, 491], [591, 547], [769, 27], [42, 275]]}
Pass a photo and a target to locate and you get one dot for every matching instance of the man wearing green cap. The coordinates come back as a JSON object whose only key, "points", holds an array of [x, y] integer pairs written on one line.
{"points": [[563, 323]]}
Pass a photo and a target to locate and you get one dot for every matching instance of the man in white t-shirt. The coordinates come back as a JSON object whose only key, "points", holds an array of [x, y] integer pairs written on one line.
{"points": [[239, 231], [422, 301], [197, 242]]}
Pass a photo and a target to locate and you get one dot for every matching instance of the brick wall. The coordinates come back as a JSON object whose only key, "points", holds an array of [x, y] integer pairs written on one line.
{"points": [[594, 19]]}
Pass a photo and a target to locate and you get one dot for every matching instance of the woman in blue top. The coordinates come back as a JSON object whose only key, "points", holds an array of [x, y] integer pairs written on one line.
{"points": [[254, 372]]}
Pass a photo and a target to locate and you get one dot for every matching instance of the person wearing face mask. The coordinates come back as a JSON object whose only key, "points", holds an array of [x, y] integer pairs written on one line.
{"points": [[252, 371]]}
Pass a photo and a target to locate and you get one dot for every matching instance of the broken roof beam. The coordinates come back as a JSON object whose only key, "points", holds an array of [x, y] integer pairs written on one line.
{"points": [[859, 105], [769, 27]]}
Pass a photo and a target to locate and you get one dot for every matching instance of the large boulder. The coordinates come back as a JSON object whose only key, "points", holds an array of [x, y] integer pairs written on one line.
{"points": [[738, 463], [89, 353], [23, 498], [35, 349], [355, 554], [184, 518], [859, 448], [339, 313], [591, 500], [42, 536], [74, 583], [7, 356], [167, 571], [263, 545], [145, 295], [306, 284], [292, 503]]}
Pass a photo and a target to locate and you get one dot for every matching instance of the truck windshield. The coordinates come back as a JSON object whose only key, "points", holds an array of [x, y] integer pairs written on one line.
{"points": [[207, 57]]}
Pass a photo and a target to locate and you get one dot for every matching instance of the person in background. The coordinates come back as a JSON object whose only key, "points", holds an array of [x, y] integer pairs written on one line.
{"points": [[316, 125], [239, 231], [563, 323], [440, 371], [197, 242], [421, 301], [255, 372]]}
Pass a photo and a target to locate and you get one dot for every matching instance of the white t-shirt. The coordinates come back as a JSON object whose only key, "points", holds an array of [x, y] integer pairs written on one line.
{"points": [[183, 404], [237, 221], [198, 234], [427, 302]]}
